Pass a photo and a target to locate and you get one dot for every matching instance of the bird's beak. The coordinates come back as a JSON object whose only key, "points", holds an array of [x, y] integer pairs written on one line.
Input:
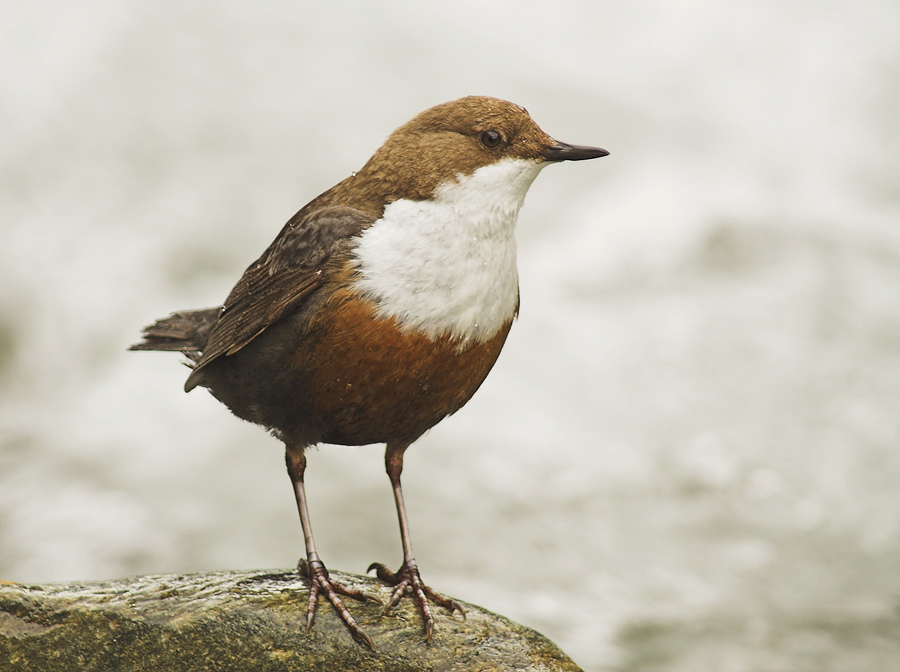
{"points": [[564, 152]]}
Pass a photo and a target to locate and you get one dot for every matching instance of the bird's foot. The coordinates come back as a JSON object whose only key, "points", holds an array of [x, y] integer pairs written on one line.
{"points": [[407, 579], [321, 583]]}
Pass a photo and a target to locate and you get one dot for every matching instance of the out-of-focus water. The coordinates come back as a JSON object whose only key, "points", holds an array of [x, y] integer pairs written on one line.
{"points": [[687, 456]]}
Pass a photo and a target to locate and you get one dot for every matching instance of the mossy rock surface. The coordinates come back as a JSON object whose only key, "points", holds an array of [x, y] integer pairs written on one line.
{"points": [[246, 621]]}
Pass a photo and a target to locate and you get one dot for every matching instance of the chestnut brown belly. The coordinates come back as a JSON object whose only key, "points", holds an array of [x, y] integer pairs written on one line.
{"points": [[345, 376]]}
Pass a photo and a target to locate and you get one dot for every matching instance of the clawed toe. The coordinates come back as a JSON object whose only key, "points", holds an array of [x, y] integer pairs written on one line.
{"points": [[321, 583], [406, 580]]}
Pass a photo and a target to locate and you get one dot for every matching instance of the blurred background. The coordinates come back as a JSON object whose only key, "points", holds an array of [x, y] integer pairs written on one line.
{"points": [[686, 457]]}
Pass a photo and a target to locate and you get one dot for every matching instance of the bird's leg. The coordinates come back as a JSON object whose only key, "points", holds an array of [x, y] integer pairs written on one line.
{"points": [[312, 568], [407, 578]]}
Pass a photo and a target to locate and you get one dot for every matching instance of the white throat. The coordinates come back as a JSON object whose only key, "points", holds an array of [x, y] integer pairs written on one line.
{"points": [[447, 266]]}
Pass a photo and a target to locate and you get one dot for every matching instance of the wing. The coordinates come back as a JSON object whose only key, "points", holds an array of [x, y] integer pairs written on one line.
{"points": [[287, 273]]}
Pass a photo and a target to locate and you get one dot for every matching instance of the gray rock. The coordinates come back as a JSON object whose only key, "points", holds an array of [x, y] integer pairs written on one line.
{"points": [[246, 621]]}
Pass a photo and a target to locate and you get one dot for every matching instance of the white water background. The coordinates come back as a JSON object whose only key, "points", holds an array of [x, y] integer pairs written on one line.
{"points": [[686, 457]]}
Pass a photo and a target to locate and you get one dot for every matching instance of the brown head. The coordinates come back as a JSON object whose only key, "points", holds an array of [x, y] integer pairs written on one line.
{"points": [[457, 138]]}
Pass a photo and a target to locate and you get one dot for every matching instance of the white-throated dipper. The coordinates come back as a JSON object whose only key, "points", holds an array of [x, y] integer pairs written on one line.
{"points": [[380, 307]]}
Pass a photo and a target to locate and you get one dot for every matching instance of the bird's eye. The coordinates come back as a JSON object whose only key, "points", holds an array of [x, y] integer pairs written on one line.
{"points": [[490, 139]]}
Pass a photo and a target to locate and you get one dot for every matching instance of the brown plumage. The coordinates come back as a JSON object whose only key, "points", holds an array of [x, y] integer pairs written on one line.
{"points": [[304, 348]]}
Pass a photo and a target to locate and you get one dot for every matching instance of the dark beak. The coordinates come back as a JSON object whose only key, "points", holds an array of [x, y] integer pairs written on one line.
{"points": [[563, 152]]}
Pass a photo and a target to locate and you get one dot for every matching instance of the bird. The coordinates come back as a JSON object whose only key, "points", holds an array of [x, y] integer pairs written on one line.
{"points": [[378, 310]]}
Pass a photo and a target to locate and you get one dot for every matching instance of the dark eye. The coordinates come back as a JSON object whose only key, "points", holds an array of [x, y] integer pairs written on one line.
{"points": [[490, 139]]}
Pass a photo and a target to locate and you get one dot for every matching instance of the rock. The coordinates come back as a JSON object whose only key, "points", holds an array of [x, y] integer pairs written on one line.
{"points": [[246, 621]]}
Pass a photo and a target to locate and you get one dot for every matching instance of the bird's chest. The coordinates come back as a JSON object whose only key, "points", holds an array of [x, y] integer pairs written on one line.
{"points": [[442, 267]]}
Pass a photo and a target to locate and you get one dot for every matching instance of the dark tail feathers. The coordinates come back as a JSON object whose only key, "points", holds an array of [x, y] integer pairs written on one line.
{"points": [[187, 332]]}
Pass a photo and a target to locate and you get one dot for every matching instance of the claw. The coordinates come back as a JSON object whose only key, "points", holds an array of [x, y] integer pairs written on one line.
{"points": [[321, 582], [311, 606], [406, 580]]}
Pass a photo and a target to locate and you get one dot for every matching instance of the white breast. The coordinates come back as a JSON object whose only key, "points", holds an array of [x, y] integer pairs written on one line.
{"points": [[447, 266]]}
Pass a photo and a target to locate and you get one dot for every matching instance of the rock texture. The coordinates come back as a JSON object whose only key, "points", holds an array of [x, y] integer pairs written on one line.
{"points": [[245, 621]]}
